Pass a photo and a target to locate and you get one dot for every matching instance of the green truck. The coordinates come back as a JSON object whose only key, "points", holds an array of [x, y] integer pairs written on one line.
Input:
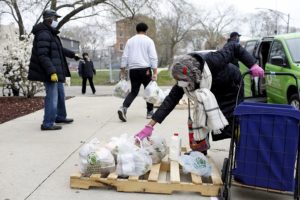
{"points": [[280, 53]]}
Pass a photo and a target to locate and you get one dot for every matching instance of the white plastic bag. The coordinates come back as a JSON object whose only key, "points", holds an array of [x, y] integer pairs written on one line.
{"points": [[166, 92], [133, 163], [156, 147], [161, 96], [115, 142], [151, 93], [121, 89], [95, 159], [84, 152], [100, 162], [132, 160], [196, 163]]}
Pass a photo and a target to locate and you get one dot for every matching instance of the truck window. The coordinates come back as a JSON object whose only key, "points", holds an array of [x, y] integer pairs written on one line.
{"points": [[263, 53], [277, 50], [294, 48], [249, 46]]}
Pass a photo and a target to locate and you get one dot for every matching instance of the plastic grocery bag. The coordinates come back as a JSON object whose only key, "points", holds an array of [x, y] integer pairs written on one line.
{"points": [[84, 152], [95, 159], [133, 163], [166, 92], [132, 160], [156, 147], [196, 163], [151, 93], [161, 96], [121, 89], [115, 142]]}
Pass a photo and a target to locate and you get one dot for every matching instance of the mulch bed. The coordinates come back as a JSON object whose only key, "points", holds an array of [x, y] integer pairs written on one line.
{"points": [[13, 107]]}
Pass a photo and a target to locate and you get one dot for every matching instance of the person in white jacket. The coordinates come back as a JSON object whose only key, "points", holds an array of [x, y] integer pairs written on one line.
{"points": [[140, 58]]}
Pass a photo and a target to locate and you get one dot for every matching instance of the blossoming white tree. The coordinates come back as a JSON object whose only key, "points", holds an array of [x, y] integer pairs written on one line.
{"points": [[16, 60]]}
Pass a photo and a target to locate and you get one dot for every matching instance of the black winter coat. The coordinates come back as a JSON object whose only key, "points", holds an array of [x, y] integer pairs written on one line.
{"points": [[48, 55], [86, 69], [235, 61], [225, 82]]}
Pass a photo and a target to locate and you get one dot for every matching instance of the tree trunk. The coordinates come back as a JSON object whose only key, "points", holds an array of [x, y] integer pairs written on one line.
{"points": [[172, 53], [19, 19], [53, 4]]}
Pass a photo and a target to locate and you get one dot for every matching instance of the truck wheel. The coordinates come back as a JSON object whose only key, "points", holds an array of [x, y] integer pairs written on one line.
{"points": [[294, 101]]}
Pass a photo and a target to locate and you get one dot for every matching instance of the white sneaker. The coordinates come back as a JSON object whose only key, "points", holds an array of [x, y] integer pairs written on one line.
{"points": [[149, 114], [122, 114]]}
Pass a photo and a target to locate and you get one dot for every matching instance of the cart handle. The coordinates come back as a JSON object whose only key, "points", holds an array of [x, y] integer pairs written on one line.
{"points": [[275, 74], [271, 74]]}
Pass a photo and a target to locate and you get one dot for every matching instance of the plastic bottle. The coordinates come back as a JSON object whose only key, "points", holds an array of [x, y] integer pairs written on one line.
{"points": [[175, 147]]}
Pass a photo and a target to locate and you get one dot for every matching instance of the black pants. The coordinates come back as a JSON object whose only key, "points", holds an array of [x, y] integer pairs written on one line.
{"points": [[84, 79], [138, 77]]}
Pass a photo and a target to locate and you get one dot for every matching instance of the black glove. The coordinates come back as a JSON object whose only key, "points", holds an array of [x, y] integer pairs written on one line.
{"points": [[76, 57]]}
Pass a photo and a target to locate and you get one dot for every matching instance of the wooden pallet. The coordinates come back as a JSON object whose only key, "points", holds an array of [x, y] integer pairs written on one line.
{"points": [[163, 178]]}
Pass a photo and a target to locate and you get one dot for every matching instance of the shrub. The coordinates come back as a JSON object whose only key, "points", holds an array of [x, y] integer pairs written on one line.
{"points": [[16, 58]]}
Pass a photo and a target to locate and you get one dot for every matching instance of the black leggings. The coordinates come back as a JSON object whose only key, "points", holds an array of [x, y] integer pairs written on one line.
{"points": [[84, 84], [138, 77]]}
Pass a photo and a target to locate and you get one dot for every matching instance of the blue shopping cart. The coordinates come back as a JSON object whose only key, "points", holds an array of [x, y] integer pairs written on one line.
{"points": [[264, 147]]}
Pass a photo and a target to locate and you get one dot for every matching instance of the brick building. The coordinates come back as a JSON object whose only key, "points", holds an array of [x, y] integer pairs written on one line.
{"points": [[125, 29]]}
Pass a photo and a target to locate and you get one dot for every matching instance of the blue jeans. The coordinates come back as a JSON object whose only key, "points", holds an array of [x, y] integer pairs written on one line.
{"points": [[55, 108]]}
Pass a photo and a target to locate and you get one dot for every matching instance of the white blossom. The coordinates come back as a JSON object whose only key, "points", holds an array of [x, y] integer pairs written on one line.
{"points": [[16, 65]]}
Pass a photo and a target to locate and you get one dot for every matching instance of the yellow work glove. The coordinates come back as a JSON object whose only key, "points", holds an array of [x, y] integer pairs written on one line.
{"points": [[54, 77]]}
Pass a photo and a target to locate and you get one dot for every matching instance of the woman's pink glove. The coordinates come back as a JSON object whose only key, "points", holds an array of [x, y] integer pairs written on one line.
{"points": [[257, 71], [145, 132]]}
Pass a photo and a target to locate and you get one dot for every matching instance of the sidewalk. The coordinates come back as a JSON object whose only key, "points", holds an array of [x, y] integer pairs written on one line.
{"points": [[36, 165], [100, 91]]}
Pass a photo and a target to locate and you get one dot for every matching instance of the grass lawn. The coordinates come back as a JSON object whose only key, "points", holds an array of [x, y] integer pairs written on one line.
{"points": [[164, 78], [102, 78]]}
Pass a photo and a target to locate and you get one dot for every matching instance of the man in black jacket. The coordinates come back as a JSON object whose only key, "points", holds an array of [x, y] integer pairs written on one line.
{"points": [[225, 82], [235, 37], [48, 64], [86, 71]]}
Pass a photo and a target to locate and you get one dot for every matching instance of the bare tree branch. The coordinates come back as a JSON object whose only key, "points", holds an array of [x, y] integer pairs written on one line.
{"points": [[175, 27], [128, 9], [12, 13], [131, 10], [118, 10], [85, 16], [38, 19], [77, 10], [69, 5]]}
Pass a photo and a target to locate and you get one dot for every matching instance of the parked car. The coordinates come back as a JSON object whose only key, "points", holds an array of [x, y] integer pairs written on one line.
{"points": [[280, 53]]}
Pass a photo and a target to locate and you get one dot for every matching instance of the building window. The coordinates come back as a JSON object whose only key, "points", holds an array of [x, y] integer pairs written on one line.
{"points": [[72, 44], [121, 33], [121, 46]]}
